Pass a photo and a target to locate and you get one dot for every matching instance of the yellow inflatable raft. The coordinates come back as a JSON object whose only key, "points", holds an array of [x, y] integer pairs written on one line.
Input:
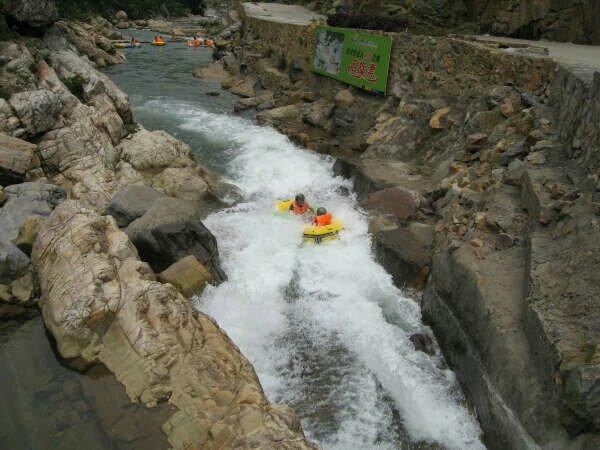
{"points": [[314, 234], [126, 45], [283, 205], [317, 234], [158, 43]]}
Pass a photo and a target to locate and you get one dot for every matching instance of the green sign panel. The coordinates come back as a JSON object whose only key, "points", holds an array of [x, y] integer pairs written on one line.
{"points": [[357, 58]]}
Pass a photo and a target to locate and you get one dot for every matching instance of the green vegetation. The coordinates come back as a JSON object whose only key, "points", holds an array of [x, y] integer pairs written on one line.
{"points": [[135, 9], [4, 94], [75, 85]]}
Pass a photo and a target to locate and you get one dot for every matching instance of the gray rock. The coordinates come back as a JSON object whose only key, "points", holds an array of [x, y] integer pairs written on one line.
{"points": [[37, 110], [405, 252], [515, 150], [132, 202], [265, 106], [27, 199], [8, 121], [170, 230], [400, 202], [483, 121], [67, 64], [13, 261], [343, 121], [318, 113], [15, 159], [153, 150], [514, 172], [32, 13]]}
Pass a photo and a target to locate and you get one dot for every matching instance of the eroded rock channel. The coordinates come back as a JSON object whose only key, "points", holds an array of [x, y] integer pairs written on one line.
{"points": [[456, 311]]}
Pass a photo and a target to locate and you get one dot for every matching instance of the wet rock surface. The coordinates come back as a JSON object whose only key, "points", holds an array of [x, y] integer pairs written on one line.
{"points": [[65, 407]]}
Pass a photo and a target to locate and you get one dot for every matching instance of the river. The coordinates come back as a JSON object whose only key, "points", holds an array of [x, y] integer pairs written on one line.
{"points": [[324, 326]]}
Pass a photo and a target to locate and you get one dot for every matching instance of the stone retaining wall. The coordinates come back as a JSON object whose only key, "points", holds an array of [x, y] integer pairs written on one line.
{"points": [[578, 104], [408, 50]]}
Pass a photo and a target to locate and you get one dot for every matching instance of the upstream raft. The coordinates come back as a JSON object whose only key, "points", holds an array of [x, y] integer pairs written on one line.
{"points": [[314, 234], [126, 45]]}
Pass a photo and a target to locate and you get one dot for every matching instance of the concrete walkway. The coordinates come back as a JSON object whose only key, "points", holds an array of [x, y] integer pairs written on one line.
{"points": [[582, 60], [276, 12]]}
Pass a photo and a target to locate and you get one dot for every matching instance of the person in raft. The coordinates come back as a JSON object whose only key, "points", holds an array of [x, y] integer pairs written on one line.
{"points": [[299, 206], [322, 217]]}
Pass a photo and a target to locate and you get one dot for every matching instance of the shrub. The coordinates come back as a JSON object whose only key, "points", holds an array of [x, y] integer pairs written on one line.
{"points": [[4, 93], [135, 9], [75, 85]]}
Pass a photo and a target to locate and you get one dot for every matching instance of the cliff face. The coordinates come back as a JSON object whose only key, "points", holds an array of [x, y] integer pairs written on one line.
{"points": [[555, 20], [570, 20]]}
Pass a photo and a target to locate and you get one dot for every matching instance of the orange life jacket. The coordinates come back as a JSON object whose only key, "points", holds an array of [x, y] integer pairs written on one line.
{"points": [[323, 219], [299, 209]]}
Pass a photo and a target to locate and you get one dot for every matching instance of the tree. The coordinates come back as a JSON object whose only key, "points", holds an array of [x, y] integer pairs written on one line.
{"points": [[358, 7]]}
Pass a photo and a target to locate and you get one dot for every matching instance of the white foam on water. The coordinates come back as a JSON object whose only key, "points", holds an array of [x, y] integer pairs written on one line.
{"points": [[324, 326]]}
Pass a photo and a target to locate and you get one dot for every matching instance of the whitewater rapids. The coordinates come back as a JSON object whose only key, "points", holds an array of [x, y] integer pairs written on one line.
{"points": [[324, 326]]}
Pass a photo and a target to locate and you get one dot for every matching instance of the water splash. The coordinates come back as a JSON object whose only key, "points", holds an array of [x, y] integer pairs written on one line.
{"points": [[324, 326]]}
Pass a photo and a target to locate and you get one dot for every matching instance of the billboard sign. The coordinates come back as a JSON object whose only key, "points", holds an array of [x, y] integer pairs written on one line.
{"points": [[354, 57]]}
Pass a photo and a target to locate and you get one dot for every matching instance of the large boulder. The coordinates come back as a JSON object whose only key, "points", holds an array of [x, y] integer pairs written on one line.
{"points": [[279, 114], [28, 232], [27, 199], [400, 202], [84, 156], [132, 202], [171, 230], [16, 157], [121, 15], [318, 113], [103, 305], [31, 13], [38, 110], [86, 41], [16, 72], [68, 65], [8, 121], [184, 183], [13, 261], [152, 150], [188, 275], [405, 252]]}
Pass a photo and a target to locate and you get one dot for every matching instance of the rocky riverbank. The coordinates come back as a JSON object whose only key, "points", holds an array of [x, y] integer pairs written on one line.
{"points": [[479, 170], [101, 228], [178, 27]]}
